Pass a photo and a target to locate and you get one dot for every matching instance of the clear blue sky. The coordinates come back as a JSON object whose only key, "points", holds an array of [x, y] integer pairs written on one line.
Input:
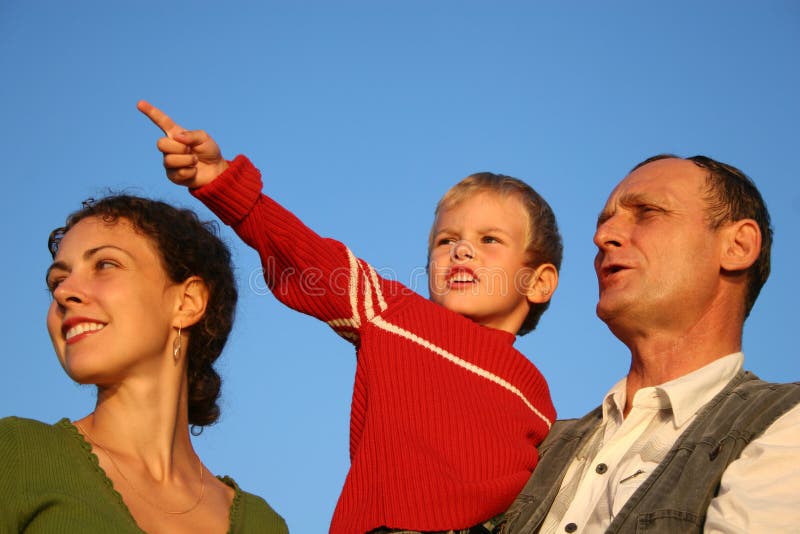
{"points": [[361, 114]]}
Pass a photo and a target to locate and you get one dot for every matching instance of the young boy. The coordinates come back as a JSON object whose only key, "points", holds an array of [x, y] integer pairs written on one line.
{"points": [[446, 414]]}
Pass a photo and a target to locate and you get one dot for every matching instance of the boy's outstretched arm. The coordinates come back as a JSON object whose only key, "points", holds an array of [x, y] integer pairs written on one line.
{"points": [[311, 274], [191, 158]]}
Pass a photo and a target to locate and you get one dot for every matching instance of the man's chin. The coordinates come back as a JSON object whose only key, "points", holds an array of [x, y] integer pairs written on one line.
{"points": [[608, 311]]}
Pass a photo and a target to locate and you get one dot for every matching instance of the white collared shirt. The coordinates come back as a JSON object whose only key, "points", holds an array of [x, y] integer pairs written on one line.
{"points": [[760, 491]]}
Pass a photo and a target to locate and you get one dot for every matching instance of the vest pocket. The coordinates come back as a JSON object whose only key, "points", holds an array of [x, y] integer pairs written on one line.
{"points": [[669, 521]]}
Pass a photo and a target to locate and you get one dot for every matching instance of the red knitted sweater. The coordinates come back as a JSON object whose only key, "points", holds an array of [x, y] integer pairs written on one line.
{"points": [[446, 414]]}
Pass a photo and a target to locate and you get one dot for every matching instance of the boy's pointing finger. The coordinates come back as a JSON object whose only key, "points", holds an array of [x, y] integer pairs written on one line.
{"points": [[159, 118]]}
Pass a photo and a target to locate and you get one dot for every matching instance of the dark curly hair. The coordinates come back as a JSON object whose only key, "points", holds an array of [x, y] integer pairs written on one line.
{"points": [[188, 247]]}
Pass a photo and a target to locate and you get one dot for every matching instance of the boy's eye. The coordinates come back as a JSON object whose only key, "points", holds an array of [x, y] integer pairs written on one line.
{"points": [[489, 239], [446, 241]]}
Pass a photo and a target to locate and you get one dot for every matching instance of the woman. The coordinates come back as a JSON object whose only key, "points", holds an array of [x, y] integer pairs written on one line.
{"points": [[143, 301]]}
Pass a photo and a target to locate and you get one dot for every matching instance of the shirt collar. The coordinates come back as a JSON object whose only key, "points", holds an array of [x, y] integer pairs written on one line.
{"points": [[686, 394]]}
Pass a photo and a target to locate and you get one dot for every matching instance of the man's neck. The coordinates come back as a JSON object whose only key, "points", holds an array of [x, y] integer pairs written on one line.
{"points": [[658, 357]]}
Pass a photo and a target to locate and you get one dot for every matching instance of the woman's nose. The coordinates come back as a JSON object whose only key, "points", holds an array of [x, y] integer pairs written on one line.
{"points": [[69, 291]]}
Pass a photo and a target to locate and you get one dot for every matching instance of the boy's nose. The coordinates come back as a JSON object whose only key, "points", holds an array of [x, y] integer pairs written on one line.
{"points": [[462, 251]]}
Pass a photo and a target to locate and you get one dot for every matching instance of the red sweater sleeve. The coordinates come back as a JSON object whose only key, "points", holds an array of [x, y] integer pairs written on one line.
{"points": [[308, 273]]}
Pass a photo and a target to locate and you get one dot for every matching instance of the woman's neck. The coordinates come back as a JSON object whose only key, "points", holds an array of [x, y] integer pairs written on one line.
{"points": [[148, 422]]}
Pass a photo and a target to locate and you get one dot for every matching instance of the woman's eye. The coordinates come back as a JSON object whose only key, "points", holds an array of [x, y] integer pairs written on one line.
{"points": [[53, 283], [105, 264]]}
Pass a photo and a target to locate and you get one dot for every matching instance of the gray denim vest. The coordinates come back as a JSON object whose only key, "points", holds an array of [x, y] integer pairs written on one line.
{"points": [[675, 497]]}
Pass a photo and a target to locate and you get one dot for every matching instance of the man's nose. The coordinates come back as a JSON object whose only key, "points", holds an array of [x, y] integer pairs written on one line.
{"points": [[608, 234]]}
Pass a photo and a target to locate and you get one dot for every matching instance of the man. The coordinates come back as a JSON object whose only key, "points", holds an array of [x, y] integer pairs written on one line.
{"points": [[687, 442]]}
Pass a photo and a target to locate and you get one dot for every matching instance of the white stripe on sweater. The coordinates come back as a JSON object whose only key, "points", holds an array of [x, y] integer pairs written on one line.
{"points": [[389, 327], [369, 307], [354, 287], [376, 284], [371, 282], [353, 321]]}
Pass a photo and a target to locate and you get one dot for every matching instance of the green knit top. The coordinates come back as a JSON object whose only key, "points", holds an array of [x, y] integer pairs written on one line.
{"points": [[51, 482]]}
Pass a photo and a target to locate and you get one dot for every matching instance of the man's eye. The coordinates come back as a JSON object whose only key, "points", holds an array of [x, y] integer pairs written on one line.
{"points": [[647, 210]]}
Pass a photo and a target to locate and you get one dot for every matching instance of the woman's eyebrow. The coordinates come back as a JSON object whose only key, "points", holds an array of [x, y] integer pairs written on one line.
{"points": [[61, 265], [56, 265]]}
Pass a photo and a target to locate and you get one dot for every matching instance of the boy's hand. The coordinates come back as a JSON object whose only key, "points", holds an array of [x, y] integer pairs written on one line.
{"points": [[191, 158]]}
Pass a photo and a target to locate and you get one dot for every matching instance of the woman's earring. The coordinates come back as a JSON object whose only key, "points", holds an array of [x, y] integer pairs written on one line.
{"points": [[176, 345]]}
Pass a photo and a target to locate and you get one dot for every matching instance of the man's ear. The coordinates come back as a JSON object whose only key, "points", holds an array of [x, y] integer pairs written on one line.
{"points": [[741, 245], [193, 299], [543, 283]]}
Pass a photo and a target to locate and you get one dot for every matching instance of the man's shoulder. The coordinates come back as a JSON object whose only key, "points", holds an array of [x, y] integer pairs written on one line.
{"points": [[752, 381], [571, 429], [750, 391]]}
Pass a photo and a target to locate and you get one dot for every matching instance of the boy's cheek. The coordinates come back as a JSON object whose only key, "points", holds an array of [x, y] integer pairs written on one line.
{"points": [[437, 283]]}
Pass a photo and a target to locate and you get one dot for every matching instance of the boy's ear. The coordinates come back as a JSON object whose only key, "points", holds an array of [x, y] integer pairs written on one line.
{"points": [[193, 299], [543, 283], [741, 245]]}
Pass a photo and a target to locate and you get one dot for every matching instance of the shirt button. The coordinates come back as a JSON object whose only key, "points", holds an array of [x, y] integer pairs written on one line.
{"points": [[570, 527], [601, 469]]}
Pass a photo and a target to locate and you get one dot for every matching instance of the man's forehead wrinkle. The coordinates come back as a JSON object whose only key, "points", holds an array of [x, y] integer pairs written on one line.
{"points": [[616, 200], [624, 199], [633, 198]]}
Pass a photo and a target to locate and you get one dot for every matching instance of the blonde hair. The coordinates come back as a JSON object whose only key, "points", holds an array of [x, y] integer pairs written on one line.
{"points": [[544, 244]]}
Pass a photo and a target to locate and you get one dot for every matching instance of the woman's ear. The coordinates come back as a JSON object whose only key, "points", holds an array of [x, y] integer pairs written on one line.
{"points": [[543, 283], [741, 245], [193, 299]]}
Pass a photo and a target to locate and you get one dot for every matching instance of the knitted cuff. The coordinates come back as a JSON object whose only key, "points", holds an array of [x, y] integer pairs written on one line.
{"points": [[232, 194]]}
